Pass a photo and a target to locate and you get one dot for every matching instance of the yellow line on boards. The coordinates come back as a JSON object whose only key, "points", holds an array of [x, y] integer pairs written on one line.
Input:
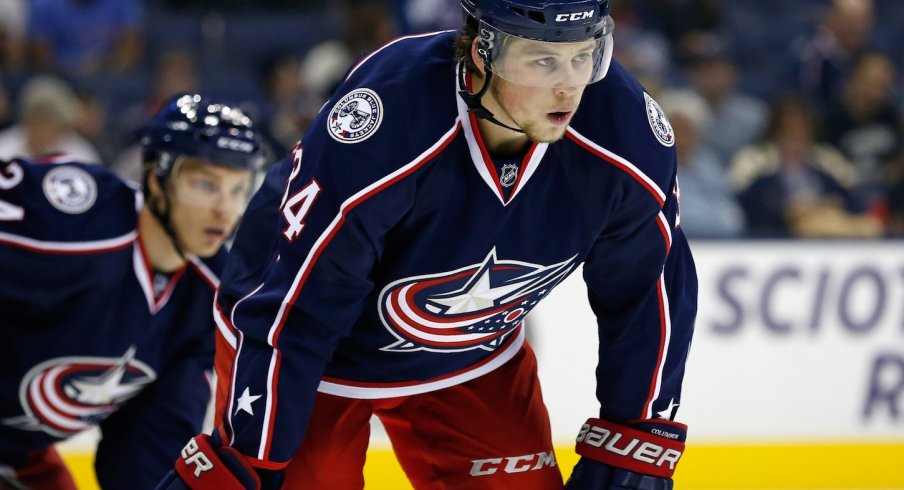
{"points": [[704, 467], [792, 466]]}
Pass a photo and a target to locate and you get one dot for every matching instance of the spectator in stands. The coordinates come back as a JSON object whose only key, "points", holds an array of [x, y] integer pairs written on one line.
{"points": [[416, 16], [641, 48], [91, 125], [824, 57], [894, 197], [200, 5], [737, 119], [175, 72], [792, 186], [368, 25], [685, 19], [48, 111], [289, 106], [12, 34], [6, 115], [85, 36], [864, 123], [708, 207]]}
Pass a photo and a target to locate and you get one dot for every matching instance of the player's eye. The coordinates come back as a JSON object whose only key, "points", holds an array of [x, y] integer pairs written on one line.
{"points": [[206, 185], [240, 190], [547, 62], [582, 58]]}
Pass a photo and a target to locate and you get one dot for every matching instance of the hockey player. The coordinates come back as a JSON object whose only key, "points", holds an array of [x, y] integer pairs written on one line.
{"points": [[387, 266], [106, 294]]}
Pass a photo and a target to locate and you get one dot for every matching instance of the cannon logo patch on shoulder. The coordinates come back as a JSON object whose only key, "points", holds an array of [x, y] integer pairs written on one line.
{"points": [[70, 189], [660, 124], [356, 116]]}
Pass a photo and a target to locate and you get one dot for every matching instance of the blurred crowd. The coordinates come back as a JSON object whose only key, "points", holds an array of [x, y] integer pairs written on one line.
{"points": [[789, 116]]}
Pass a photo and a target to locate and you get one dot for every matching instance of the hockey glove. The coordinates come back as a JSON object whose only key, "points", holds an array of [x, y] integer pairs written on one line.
{"points": [[641, 456], [207, 465]]}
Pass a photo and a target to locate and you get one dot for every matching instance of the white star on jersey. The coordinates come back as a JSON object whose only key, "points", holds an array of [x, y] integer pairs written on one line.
{"points": [[667, 413], [245, 401], [480, 296], [108, 387]]}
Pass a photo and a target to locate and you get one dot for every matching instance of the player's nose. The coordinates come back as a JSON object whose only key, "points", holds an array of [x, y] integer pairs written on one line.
{"points": [[566, 92]]}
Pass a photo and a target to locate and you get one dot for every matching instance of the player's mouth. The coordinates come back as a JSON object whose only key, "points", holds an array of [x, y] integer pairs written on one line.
{"points": [[559, 118], [215, 233]]}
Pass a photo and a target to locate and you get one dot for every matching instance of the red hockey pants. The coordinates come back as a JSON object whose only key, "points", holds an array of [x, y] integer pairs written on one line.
{"points": [[488, 433]]}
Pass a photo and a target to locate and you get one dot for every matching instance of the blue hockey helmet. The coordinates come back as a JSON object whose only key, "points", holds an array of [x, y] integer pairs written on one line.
{"points": [[581, 31], [212, 130]]}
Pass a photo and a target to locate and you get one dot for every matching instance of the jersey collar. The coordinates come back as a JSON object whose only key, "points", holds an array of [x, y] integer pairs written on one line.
{"points": [[480, 157]]}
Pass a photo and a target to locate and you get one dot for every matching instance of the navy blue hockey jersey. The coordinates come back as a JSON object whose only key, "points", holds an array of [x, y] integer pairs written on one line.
{"points": [[390, 255], [89, 334]]}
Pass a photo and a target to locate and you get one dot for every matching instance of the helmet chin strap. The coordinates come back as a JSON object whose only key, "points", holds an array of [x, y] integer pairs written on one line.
{"points": [[160, 208], [163, 217], [473, 100]]}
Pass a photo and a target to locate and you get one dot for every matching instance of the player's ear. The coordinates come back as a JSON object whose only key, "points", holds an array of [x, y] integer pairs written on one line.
{"points": [[153, 187], [475, 57]]}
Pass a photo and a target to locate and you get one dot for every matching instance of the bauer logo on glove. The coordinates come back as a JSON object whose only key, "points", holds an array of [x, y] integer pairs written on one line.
{"points": [[192, 456], [647, 450]]}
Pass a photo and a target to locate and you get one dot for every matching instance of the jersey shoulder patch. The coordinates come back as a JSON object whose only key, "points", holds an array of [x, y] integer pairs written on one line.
{"points": [[70, 189], [356, 116], [617, 114], [659, 123]]}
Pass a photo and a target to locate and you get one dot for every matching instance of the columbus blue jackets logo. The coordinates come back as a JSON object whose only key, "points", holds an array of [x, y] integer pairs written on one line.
{"points": [[474, 307], [356, 116], [659, 123], [66, 395], [70, 189]]}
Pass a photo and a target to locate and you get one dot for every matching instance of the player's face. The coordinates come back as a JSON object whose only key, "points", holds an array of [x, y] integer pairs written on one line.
{"points": [[542, 113], [540, 84], [207, 202]]}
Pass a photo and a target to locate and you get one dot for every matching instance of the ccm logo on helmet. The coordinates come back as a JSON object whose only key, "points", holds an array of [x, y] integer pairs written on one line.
{"points": [[643, 451], [574, 16], [513, 464], [235, 145], [192, 456]]}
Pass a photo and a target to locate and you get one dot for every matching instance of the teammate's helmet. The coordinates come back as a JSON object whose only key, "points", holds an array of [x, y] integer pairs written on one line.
{"points": [[215, 131], [543, 43]]}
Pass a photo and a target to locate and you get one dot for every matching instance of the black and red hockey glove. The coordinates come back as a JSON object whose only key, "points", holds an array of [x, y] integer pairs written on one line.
{"points": [[639, 456], [205, 464]]}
